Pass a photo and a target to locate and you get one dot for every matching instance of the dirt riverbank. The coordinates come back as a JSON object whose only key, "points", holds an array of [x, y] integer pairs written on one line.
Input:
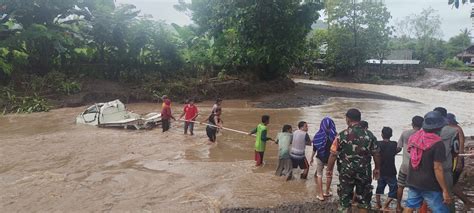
{"points": [[100, 91], [432, 78], [303, 95]]}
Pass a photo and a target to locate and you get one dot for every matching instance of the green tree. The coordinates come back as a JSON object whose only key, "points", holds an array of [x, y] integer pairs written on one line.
{"points": [[459, 43], [45, 31], [422, 33], [427, 30], [357, 32], [316, 43], [266, 37]]}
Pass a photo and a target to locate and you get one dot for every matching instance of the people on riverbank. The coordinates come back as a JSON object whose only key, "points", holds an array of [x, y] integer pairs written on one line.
{"points": [[322, 142], [416, 123], [284, 139], [166, 114], [301, 139], [190, 113], [426, 177], [388, 172], [214, 122], [261, 139], [353, 149]]}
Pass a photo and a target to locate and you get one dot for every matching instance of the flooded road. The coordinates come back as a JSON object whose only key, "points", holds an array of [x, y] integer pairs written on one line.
{"points": [[50, 164]]}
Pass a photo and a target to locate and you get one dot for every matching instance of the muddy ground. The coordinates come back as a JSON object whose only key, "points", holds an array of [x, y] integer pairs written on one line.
{"points": [[432, 78], [94, 91], [304, 95], [305, 207], [441, 79]]}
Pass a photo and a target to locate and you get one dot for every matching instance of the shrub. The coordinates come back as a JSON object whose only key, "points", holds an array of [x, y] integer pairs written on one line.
{"points": [[69, 88], [453, 63], [27, 104]]}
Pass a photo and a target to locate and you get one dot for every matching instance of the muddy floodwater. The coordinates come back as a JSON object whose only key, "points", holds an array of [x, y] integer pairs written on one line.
{"points": [[48, 163]]}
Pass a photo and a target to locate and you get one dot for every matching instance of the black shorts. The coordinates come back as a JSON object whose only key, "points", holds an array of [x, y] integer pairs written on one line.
{"points": [[301, 162], [211, 133]]}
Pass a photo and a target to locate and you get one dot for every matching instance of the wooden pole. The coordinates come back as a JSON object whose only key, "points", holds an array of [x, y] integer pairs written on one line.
{"points": [[229, 129]]}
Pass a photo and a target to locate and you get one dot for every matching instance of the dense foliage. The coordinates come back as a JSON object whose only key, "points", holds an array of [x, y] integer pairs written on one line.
{"points": [[47, 47], [357, 32], [263, 37], [421, 33], [99, 39]]}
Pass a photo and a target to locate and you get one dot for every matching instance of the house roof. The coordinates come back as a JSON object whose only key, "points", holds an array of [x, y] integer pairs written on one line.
{"points": [[465, 54], [376, 61]]}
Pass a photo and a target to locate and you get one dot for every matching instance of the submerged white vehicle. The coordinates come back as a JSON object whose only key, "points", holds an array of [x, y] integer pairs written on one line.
{"points": [[115, 114]]}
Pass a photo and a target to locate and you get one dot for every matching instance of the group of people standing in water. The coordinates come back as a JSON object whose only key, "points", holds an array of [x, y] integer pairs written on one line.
{"points": [[430, 168]]}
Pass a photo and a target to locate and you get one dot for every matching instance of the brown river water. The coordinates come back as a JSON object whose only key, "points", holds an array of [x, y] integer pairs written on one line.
{"points": [[48, 163]]}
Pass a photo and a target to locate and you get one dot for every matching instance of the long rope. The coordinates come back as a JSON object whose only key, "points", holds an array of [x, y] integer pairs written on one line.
{"points": [[229, 129]]}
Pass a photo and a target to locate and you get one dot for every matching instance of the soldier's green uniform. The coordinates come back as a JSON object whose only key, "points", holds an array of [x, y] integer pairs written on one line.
{"points": [[354, 148]]}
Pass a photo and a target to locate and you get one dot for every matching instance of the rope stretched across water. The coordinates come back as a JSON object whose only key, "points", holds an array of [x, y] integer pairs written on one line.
{"points": [[225, 128]]}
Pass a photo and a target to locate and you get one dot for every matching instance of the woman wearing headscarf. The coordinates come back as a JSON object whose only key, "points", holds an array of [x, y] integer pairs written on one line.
{"points": [[322, 142]]}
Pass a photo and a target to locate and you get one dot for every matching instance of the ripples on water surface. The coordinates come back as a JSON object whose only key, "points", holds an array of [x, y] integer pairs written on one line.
{"points": [[49, 163]]}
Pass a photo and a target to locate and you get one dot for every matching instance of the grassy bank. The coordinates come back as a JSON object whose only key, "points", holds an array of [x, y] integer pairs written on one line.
{"points": [[54, 92]]}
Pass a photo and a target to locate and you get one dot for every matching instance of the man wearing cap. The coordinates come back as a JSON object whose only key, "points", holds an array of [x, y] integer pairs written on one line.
{"points": [[426, 179], [353, 149]]}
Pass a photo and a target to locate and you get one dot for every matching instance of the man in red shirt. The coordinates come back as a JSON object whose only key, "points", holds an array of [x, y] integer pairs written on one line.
{"points": [[190, 112]]}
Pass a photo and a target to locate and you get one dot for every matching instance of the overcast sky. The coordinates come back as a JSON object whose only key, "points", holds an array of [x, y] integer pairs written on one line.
{"points": [[453, 20]]}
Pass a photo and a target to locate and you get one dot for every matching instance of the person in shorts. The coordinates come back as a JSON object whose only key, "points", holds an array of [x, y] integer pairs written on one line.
{"points": [[353, 149], [388, 172], [283, 140], [301, 139], [166, 114], [214, 123], [190, 113], [261, 139], [322, 142], [426, 180], [416, 123]]}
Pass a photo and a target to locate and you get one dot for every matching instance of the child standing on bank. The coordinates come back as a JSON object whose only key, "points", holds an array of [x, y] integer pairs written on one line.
{"points": [[190, 113], [261, 139], [283, 140], [388, 172]]}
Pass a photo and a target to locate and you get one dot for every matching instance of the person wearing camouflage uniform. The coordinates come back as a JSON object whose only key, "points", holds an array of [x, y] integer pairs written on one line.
{"points": [[353, 149]]}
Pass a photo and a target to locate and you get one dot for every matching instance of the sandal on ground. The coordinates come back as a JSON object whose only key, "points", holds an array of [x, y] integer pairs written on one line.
{"points": [[328, 194], [320, 198]]}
